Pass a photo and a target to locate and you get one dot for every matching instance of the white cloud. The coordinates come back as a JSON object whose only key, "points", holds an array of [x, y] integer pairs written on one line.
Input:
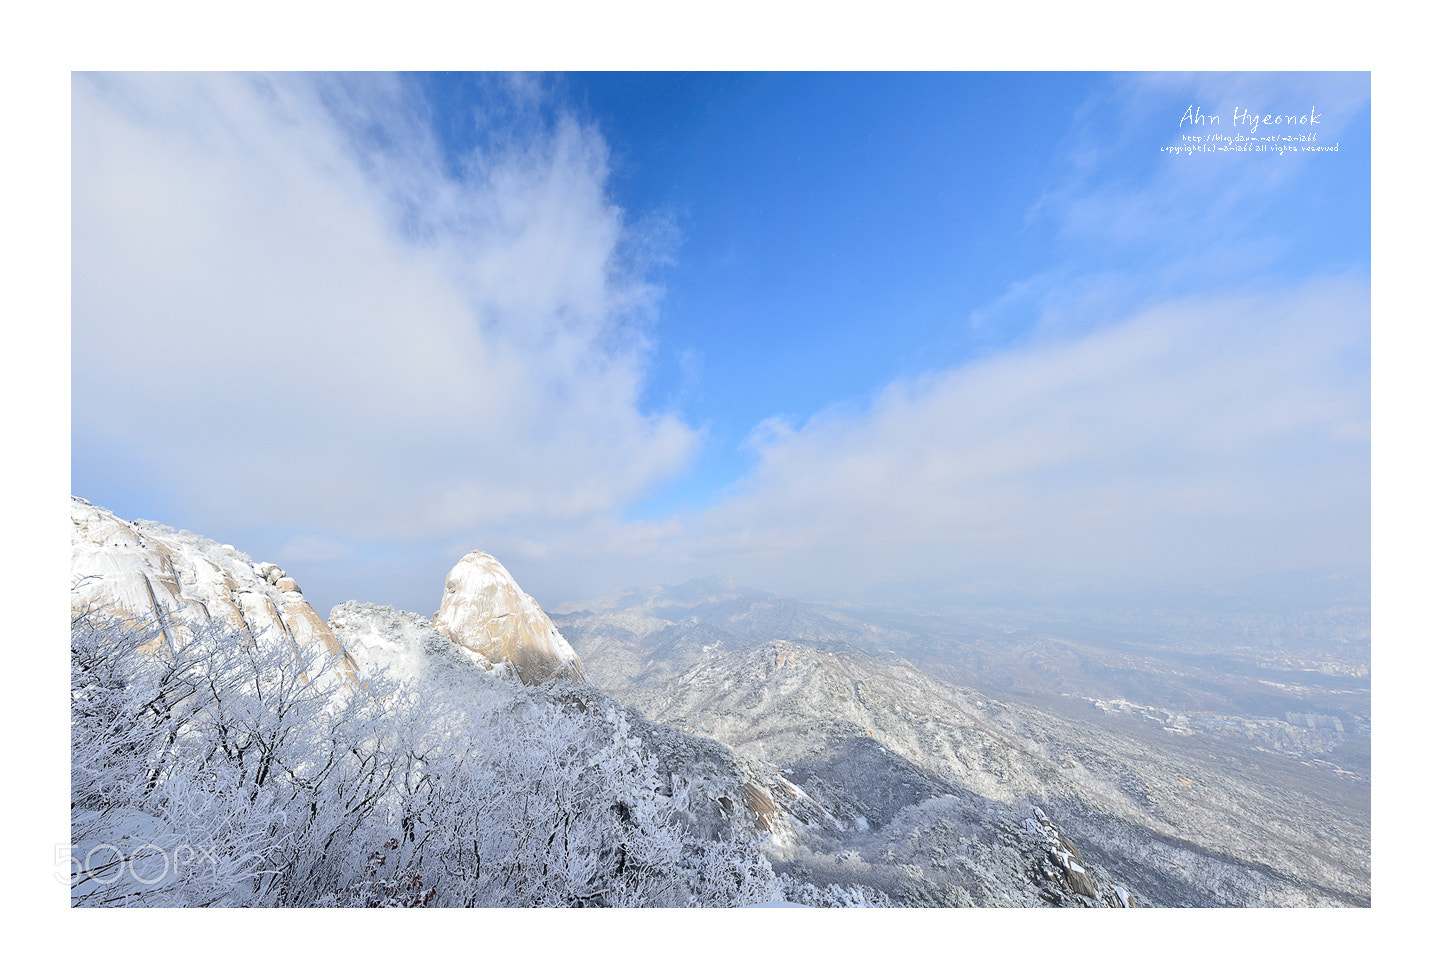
{"points": [[289, 312], [1203, 440], [312, 549], [1122, 190]]}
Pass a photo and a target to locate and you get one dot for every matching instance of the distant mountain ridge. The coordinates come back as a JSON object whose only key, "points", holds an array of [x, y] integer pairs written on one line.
{"points": [[849, 747], [889, 750]]}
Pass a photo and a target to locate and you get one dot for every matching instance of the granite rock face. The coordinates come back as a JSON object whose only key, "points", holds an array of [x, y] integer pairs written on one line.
{"points": [[485, 611], [158, 575]]}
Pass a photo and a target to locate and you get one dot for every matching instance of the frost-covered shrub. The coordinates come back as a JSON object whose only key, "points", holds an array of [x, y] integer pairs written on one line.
{"points": [[214, 771], [542, 805], [217, 771], [833, 895]]}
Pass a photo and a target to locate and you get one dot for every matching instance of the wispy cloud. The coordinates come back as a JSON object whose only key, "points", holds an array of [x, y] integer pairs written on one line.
{"points": [[292, 312], [1122, 190], [1199, 441], [312, 549]]}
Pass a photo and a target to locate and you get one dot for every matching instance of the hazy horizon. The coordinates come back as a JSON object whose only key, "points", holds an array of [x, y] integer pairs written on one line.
{"points": [[865, 337]]}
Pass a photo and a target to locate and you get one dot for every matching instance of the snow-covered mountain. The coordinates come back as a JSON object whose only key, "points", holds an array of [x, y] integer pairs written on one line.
{"points": [[378, 759], [721, 745], [929, 787], [731, 793], [179, 581], [891, 779]]}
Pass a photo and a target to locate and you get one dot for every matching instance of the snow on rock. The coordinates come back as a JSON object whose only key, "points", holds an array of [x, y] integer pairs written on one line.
{"points": [[145, 571], [484, 610], [411, 651], [1063, 856]]}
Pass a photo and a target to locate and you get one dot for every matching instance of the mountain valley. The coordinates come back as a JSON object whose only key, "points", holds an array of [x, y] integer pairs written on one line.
{"points": [[1182, 806], [698, 744]]}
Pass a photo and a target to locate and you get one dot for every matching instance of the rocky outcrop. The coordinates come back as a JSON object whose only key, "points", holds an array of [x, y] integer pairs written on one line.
{"points": [[485, 611], [179, 581], [1063, 864]]}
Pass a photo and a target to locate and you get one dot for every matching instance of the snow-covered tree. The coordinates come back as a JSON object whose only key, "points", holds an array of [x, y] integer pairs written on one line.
{"points": [[216, 770]]}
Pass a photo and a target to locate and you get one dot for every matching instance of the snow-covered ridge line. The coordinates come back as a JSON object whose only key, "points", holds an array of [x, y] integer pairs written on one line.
{"points": [[181, 581], [172, 577]]}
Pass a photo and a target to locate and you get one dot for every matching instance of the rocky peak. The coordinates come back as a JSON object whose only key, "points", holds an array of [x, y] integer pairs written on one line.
{"points": [[179, 580], [485, 611]]}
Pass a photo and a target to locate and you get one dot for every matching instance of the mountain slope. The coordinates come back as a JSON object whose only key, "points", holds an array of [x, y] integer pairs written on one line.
{"points": [[723, 724], [892, 751], [420, 772], [178, 581]]}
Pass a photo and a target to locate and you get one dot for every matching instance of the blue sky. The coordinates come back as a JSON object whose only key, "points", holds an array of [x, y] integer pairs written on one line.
{"points": [[877, 337]]}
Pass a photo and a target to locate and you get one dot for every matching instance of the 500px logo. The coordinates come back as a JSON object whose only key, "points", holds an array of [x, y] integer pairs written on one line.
{"points": [[105, 863]]}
